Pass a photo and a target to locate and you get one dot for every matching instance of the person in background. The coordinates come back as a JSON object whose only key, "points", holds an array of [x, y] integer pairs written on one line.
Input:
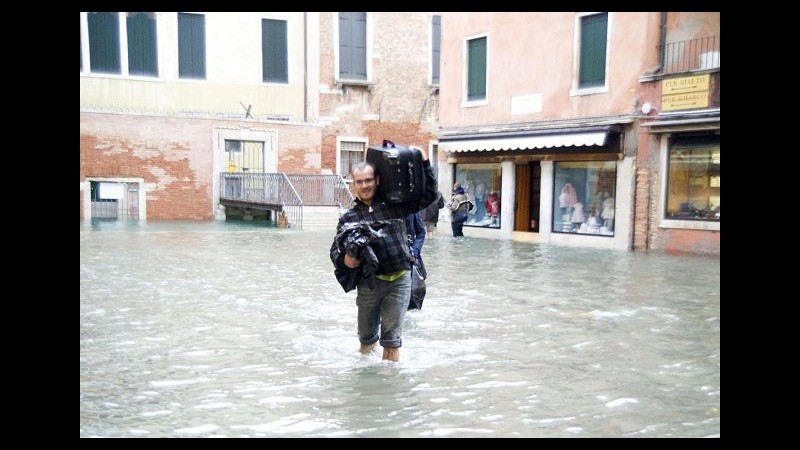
{"points": [[416, 239], [459, 207], [416, 235], [383, 299]]}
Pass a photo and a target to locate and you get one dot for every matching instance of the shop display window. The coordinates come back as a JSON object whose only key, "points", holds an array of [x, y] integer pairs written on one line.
{"points": [[584, 197], [482, 184], [693, 180]]}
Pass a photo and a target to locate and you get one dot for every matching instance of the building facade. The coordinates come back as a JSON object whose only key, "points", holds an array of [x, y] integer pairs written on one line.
{"points": [[377, 85], [171, 100], [554, 124]]}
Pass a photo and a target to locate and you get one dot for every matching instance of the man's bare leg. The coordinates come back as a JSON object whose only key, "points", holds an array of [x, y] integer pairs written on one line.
{"points": [[392, 354]]}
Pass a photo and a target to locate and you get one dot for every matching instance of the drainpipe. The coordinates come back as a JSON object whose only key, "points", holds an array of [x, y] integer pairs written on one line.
{"points": [[305, 67], [663, 43]]}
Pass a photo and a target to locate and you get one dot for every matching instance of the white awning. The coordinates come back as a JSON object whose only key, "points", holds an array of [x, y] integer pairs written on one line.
{"points": [[517, 143]]}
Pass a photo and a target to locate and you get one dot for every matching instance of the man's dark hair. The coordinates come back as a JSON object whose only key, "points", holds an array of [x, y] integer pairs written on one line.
{"points": [[363, 165]]}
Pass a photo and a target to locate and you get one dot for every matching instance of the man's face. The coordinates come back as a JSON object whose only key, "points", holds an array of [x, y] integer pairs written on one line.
{"points": [[366, 182]]}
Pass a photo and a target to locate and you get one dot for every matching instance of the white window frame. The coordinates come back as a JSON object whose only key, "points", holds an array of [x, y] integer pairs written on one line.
{"points": [[123, 48], [465, 72], [339, 140], [335, 20], [289, 55], [87, 194], [576, 56], [663, 174]]}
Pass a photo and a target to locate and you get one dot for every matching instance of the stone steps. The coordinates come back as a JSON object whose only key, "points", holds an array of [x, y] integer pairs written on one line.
{"points": [[320, 217]]}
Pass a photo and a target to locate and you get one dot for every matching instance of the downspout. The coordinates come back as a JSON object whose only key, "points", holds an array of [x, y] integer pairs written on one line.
{"points": [[305, 67], [662, 63], [662, 48]]}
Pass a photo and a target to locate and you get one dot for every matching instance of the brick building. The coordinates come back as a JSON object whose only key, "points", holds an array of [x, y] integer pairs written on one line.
{"points": [[169, 101], [594, 129]]}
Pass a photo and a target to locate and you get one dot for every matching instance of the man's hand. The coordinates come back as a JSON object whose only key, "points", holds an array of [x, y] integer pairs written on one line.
{"points": [[351, 262], [424, 153]]}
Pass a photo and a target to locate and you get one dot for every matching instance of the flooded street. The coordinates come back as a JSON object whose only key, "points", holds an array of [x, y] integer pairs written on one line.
{"points": [[212, 329]]}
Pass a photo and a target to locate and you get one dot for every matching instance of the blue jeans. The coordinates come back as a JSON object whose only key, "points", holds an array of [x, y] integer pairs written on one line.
{"points": [[383, 308]]}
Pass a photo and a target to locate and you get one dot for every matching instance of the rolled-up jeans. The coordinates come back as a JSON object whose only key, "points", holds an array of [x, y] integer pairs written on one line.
{"points": [[382, 310]]}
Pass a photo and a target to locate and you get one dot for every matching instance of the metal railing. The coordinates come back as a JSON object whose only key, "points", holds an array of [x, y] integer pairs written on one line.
{"points": [[694, 54], [322, 190], [266, 190], [284, 193]]}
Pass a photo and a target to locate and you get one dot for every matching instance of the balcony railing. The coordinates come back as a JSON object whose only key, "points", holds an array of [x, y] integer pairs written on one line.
{"points": [[691, 55], [322, 190], [286, 193]]}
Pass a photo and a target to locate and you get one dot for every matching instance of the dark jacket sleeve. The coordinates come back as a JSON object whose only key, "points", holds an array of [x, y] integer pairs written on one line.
{"points": [[418, 228]]}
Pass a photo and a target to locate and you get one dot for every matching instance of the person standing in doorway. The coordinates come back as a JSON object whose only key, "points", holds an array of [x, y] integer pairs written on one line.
{"points": [[382, 300]]}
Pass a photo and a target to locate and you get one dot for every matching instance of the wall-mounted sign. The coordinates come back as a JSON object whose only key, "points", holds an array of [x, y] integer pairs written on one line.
{"points": [[685, 92], [691, 100], [526, 104]]}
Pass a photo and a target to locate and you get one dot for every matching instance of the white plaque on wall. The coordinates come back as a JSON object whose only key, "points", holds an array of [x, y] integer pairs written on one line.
{"points": [[526, 104]]}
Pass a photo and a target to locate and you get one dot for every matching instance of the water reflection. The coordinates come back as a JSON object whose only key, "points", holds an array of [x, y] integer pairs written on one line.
{"points": [[236, 330]]}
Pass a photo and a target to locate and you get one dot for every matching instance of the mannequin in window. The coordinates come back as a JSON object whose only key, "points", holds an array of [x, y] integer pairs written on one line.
{"points": [[493, 207], [480, 199], [577, 216], [608, 211]]}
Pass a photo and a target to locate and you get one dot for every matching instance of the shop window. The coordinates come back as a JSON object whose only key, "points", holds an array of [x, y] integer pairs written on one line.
{"points": [[584, 199], [693, 181], [482, 185]]}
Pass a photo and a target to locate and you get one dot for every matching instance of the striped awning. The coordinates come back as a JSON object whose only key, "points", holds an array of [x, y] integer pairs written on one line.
{"points": [[525, 142]]}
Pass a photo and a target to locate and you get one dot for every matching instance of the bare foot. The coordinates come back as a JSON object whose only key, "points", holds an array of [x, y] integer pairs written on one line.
{"points": [[392, 354], [367, 348]]}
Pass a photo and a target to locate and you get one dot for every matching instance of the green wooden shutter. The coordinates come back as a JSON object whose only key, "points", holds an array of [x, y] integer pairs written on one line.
{"points": [[191, 46], [594, 31], [436, 44], [142, 44], [476, 85], [104, 42], [274, 51], [353, 45]]}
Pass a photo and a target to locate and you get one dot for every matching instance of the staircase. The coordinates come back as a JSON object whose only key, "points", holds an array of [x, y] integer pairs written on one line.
{"points": [[320, 218]]}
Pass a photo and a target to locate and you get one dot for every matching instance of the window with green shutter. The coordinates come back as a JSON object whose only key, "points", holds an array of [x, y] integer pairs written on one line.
{"points": [[104, 42], [436, 44], [142, 48], [274, 51], [353, 45], [594, 31], [476, 69], [191, 46]]}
